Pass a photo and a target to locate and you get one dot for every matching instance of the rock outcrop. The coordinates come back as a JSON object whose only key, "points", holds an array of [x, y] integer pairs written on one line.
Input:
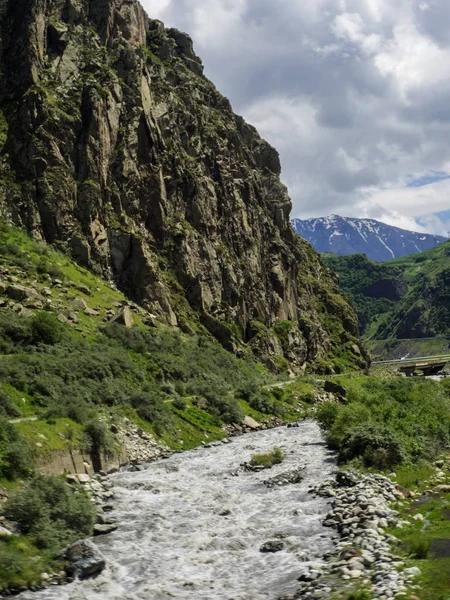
{"points": [[115, 147]]}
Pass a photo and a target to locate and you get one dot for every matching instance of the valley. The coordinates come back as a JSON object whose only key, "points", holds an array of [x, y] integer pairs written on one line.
{"points": [[187, 403]]}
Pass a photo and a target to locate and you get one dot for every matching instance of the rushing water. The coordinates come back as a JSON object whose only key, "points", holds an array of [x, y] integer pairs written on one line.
{"points": [[190, 529]]}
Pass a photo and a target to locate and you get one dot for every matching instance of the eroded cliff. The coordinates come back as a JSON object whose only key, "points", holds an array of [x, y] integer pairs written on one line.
{"points": [[115, 147]]}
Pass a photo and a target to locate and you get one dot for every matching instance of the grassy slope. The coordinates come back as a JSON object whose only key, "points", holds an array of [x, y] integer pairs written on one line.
{"points": [[38, 266]]}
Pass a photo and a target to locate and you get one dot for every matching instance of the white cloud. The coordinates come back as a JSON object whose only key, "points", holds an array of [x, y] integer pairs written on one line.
{"points": [[353, 93]]}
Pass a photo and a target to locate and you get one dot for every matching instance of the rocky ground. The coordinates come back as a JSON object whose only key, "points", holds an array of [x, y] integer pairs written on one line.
{"points": [[360, 513]]}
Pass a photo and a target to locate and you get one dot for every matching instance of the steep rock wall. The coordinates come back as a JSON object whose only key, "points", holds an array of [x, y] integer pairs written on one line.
{"points": [[116, 147]]}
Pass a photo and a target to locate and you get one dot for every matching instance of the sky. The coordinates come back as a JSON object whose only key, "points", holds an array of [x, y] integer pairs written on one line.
{"points": [[354, 94]]}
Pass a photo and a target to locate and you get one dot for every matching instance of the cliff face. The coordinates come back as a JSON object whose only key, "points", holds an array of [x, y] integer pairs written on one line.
{"points": [[115, 147]]}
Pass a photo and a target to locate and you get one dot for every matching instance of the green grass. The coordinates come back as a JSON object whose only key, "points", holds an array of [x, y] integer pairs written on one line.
{"points": [[21, 563], [412, 477], [274, 457], [415, 543], [52, 430]]}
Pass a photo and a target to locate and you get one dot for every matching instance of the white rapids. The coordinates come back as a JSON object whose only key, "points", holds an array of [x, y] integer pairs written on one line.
{"points": [[190, 529]]}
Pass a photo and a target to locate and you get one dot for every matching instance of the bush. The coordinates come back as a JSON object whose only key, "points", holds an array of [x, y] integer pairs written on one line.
{"points": [[97, 439], [378, 446], [327, 414], [7, 406], [179, 403], [152, 408], [15, 455], [51, 512], [46, 329], [225, 408], [417, 547]]}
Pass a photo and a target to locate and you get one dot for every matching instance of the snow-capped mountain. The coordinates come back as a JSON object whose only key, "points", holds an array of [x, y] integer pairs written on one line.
{"points": [[380, 242]]}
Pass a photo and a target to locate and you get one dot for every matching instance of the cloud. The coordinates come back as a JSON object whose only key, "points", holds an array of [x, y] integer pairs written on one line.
{"points": [[353, 93]]}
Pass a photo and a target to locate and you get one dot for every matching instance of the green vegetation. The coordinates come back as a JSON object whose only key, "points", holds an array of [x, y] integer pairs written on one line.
{"points": [[373, 287], [403, 298], [15, 455], [49, 514], [274, 457], [425, 542], [388, 422]]}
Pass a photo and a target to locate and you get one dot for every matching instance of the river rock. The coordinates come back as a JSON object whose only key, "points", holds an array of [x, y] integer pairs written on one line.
{"points": [[104, 528], [251, 423], [85, 559], [272, 546]]}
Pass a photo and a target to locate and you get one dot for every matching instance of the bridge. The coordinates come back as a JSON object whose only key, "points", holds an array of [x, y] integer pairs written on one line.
{"points": [[428, 365]]}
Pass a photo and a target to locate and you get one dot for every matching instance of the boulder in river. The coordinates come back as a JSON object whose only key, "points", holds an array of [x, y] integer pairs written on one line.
{"points": [[273, 546], [85, 559]]}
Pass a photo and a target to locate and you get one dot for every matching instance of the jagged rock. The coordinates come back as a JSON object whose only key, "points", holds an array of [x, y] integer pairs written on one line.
{"points": [[124, 317], [85, 559]]}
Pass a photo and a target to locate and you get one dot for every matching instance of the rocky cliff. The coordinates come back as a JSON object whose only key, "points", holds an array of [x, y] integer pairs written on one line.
{"points": [[116, 148]]}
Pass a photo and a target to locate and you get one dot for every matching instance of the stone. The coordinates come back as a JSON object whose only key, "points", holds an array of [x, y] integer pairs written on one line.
{"points": [[124, 317], [335, 388], [85, 559], [5, 532], [20, 292], [83, 478], [251, 423], [91, 312], [104, 528], [78, 304], [413, 572], [272, 546], [83, 289]]}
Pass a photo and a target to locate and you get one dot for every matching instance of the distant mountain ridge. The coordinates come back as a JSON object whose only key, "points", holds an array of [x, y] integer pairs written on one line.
{"points": [[406, 298], [378, 241]]}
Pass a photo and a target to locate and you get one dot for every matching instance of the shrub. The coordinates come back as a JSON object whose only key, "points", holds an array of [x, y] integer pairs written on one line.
{"points": [[7, 406], [225, 408], [46, 329], [15, 455], [327, 414], [97, 439], [151, 408], [417, 547], [51, 512], [378, 446], [179, 403], [263, 403]]}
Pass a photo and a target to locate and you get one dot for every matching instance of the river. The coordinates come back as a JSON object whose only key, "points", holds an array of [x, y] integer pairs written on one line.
{"points": [[190, 529]]}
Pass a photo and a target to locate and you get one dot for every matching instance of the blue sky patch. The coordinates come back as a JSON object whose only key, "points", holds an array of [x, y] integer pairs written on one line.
{"points": [[430, 177]]}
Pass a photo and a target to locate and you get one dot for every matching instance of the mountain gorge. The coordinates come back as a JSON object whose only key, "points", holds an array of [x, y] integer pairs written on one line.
{"points": [[404, 298], [116, 149], [378, 241]]}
